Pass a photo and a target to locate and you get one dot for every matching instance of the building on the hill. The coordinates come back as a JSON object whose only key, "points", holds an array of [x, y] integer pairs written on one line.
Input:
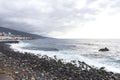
{"points": [[1, 33], [10, 36]]}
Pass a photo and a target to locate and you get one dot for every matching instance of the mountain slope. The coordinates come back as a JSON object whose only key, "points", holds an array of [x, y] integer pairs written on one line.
{"points": [[24, 34]]}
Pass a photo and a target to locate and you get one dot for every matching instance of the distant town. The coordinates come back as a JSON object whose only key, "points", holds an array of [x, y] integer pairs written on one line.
{"points": [[10, 36]]}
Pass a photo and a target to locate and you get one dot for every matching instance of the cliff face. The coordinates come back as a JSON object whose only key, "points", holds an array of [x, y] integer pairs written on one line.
{"points": [[24, 34]]}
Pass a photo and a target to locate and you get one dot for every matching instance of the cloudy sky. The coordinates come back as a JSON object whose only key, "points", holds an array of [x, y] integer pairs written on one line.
{"points": [[63, 18]]}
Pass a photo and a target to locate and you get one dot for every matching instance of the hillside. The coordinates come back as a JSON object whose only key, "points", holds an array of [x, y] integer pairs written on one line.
{"points": [[24, 34]]}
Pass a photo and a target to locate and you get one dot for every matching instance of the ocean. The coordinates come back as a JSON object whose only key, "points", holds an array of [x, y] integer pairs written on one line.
{"points": [[86, 50]]}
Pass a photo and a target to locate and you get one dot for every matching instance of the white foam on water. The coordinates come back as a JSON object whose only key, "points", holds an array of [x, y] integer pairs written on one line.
{"points": [[18, 47], [68, 56]]}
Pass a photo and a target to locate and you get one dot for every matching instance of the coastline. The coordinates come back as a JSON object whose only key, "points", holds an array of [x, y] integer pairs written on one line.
{"points": [[31, 67], [9, 41]]}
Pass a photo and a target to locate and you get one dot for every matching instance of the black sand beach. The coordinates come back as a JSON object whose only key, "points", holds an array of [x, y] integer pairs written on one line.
{"points": [[27, 66]]}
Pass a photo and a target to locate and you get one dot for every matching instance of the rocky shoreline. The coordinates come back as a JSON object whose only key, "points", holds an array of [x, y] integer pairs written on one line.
{"points": [[26, 66]]}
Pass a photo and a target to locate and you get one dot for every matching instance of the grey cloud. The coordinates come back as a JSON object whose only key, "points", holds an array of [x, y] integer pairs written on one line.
{"points": [[91, 1], [116, 4], [43, 16]]}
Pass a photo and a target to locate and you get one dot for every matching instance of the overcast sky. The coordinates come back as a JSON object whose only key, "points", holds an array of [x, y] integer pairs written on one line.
{"points": [[63, 18]]}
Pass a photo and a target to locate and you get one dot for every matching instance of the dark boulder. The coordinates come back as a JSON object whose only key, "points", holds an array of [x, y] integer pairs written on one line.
{"points": [[104, 49]]}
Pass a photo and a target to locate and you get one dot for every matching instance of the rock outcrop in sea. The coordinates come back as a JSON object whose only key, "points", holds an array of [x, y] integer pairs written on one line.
{"points": [[104, 49]]}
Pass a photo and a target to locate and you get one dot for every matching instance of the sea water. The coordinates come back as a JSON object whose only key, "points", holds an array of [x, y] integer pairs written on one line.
{"points": [[86, 50]]}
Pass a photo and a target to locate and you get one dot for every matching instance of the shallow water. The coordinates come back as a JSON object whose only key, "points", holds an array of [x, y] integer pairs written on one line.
{"points": [[81, 49]]}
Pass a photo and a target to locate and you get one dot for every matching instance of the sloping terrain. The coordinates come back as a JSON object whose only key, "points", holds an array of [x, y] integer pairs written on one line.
{"points": [[24, 34]]}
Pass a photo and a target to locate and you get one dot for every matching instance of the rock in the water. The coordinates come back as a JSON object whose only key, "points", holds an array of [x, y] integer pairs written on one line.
{"points": [[104, 49]]}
